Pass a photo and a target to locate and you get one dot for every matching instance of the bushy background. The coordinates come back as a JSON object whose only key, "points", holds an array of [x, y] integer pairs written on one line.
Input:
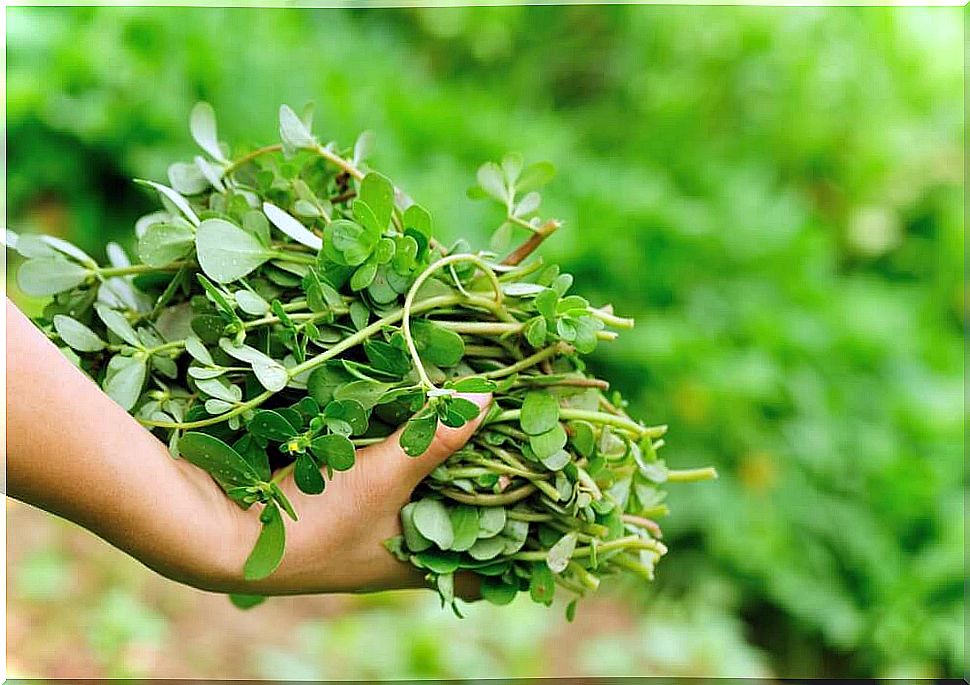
{"points": [[776, 196]]}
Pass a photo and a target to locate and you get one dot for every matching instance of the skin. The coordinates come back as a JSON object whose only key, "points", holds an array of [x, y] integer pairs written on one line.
{"points": [[72, 451]]}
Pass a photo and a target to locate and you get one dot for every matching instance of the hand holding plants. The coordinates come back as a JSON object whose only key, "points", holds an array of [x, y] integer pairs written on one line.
{"points": [[73, 451]]}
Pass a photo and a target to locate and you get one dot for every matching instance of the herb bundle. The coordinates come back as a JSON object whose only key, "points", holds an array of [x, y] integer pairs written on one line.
{"points": [[290, 305]]}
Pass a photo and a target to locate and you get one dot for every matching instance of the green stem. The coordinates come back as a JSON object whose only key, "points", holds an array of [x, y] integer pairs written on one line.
{"points": [[530, 361], [629, 564], [487, 500], [238, 409], [251, 156], [691, 475], [585, 577], [413, 291], [294, 257], [366, 332], [611, 319], [113, 271], [569, 414], [629, 542]]}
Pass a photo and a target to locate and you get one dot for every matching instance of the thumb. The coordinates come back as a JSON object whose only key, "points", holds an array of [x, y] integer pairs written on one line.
{"points": [[409, 471]]}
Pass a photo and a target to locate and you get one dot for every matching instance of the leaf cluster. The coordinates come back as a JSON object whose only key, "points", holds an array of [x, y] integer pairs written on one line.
{"points": [[290, 305]]}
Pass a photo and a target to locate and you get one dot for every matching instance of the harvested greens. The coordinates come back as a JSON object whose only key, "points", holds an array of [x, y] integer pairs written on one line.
{"points": [[289, 304]]}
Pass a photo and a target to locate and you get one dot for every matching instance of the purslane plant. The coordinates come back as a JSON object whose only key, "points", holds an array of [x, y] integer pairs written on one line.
{"points": [[290, 304]]}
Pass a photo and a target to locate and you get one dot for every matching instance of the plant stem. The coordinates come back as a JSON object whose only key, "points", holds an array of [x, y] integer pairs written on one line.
{"points": [[366, 332], [238, 409], [629, 542], [551, 351], [111, 272], [691, 475], [569, 414], [233, 166], [611, 319], [339, 161], [488, 500], [535, 240], [413, 291], [649, 524]]}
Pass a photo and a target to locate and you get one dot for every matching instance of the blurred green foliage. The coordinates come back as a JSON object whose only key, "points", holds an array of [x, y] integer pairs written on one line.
{"points": [[775, 194]]}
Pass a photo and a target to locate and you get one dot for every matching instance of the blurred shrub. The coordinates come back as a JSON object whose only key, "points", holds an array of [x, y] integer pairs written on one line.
{"points": [[773, 193]]}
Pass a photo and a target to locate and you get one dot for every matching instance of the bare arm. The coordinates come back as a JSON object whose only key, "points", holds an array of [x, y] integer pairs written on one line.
{"points": [[74, 452]]}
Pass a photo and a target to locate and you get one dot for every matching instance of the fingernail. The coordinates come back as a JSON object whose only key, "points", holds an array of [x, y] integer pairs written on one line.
{"points": [[481, 399]]}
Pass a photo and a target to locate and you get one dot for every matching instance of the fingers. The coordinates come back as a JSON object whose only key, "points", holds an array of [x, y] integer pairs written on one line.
{"points": [[410, 471]]}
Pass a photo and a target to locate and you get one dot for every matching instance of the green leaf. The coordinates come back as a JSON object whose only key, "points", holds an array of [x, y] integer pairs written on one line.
{"points": [[545, 303], [350, 411], [464, 523], [280, 498], [491, 521], [271, 374], [363, 276], [293, 131], [198, 351], [336, 451], [418, 218], [560, 553], [49, 276], [202, 126], [437, 345], [69, 249], [164, 243], [432, 521], [241, 601], [583, 438], [492, 181], [28, 245], [118, 324], [497, 591], [378, 194], [542, 584], [540, 413], [571, 611], [413, 538], [418, 434], [226, 252], [222, 462], [292, 226], [251, 303], [472, 384], [270, 425], [268, 551], [387, 357], [547, 444], [77, 335], [467, 409], [486, 548], [323, 381], [174, 197], [219, 389], [348, 243], [535, 176], [438, 561], [187, 178], [125, 379], [368, 393], [555, 461], [536, 331], [307, 476]]}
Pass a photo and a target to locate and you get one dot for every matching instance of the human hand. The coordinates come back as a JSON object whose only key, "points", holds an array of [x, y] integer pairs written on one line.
{"points": [[337, 545]]}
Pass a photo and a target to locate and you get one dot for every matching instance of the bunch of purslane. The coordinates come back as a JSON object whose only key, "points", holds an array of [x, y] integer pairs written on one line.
{"points": [[289, 305]]}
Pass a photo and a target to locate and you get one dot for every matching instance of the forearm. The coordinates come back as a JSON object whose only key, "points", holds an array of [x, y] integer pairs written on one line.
{"points": [[72, 451]]}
